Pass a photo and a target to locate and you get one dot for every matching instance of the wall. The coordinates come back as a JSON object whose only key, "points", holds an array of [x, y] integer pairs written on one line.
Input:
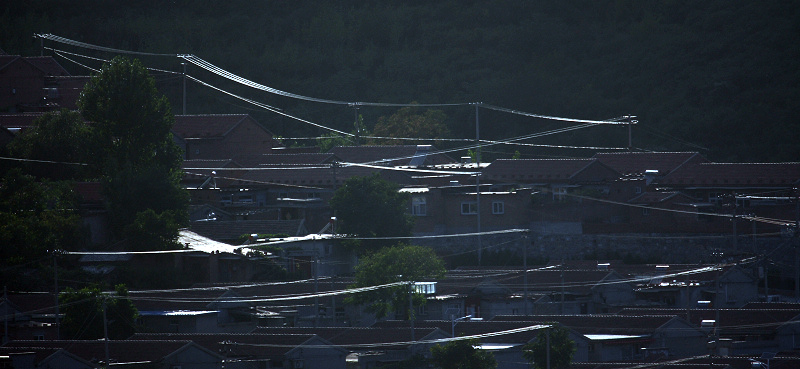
{"points": [[639, 248]]}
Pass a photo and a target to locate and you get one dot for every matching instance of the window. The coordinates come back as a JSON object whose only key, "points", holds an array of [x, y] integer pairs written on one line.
{"points": [[469, 207], [498, 207], [559, 193], [419, 206], [645, 211], [314, 195]]}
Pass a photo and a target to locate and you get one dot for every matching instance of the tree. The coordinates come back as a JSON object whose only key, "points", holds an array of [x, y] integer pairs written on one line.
{"points": [[132, 118], [328, 141], [370, 206], [83, 313], [409, 122], [561, 348], [394, 264], [462, 354], [61, 137], [141, 162], [35, 217]]}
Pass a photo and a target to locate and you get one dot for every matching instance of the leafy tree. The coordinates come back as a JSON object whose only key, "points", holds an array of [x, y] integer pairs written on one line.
{"points": [[132, 118], [35, 217], [561, 348], [394, 264], [141, 161], [370, 206], [83, 313], [462, 354], [409, 122], [328, 141], [60, 137]]}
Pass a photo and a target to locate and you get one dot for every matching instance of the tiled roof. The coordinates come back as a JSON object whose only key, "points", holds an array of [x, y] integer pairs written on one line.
{"points": [[241, 345], [651, 197], [734, 175], [730, 320], [121, 351], [33, 302], [473, 327], [539, 281], [387, 155], [351, 336], [284, 159], [210, 163], [538, 170], [229, 230], [315, 176], [21, 121], [48, 65], [206, 126], [636, 163], [598, 324]]}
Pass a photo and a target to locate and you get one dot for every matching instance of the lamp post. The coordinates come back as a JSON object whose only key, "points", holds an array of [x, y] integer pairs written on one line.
{"points": [[453, 321]]}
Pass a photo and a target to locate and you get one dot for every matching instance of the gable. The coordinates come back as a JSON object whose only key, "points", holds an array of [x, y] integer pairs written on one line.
{"points": [[192, 353], [211, 125], [548, 171], [636, 163], [752, 175]]}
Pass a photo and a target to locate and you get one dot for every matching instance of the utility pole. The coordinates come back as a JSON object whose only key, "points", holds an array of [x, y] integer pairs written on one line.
{"points": [[184, 87], [316, 285], [547, 331], [55, 289], [796, 235], [525, 271], [105, 333], [411, 308], [631, 122], [6, 316], [478, 179]]}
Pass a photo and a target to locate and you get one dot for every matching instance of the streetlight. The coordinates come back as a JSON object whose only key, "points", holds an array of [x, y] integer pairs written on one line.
{"points": [[453, 321]]}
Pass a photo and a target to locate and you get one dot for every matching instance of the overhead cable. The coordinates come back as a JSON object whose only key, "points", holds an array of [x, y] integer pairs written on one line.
{"points": [[63, 40], [269, 108], [517, 112]]}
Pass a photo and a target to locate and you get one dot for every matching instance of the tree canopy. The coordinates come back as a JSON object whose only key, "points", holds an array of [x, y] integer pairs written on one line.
{"points": [[462, 354], [36, 217], [141, 163], [394, 264], [62, 146], [560, 345], [370, 206], [83, 313], [409, 122]]}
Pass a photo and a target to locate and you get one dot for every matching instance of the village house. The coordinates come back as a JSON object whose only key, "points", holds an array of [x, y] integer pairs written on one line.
{"points": [[30, 84], [161, 354], [222, 136], [274, 350]]}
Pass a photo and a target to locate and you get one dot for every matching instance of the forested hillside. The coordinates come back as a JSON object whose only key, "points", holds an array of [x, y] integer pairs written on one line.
{"points": [[719, 77]]}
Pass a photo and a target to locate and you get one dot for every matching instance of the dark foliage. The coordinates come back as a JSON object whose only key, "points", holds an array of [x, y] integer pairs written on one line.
{"points": [[720, 77]]}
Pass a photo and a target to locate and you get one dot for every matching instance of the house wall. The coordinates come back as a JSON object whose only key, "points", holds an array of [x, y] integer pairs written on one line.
{"points": [[316, 358], [444, 211], [206, 323], [191, 357], [681, 339], [247, 138], [22, 84]]}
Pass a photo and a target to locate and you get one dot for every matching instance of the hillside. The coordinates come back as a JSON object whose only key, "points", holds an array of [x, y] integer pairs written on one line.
{"points": [[719, 77]]}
